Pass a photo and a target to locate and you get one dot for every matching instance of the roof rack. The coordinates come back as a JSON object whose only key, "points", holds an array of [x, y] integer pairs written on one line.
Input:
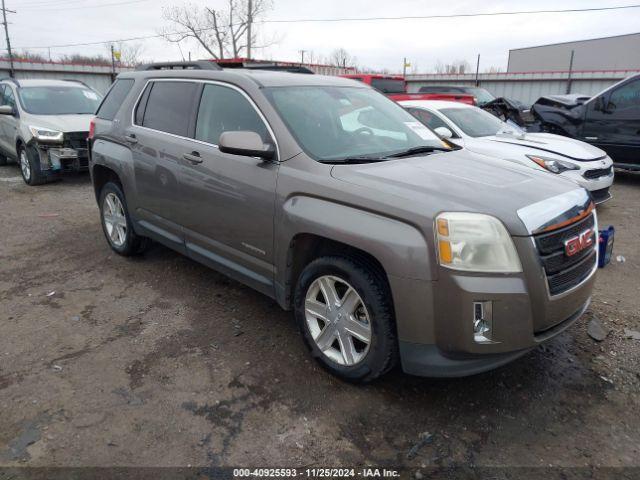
{"points": [[10, 79], [197, 65], [75, 81], [273, 67]]}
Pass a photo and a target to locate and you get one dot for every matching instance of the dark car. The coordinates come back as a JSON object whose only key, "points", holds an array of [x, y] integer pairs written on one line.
{"points": [[609, 120], [482, 95]]}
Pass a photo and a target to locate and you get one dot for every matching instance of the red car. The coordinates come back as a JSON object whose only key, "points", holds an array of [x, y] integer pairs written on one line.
{"points": [[395, 87]]}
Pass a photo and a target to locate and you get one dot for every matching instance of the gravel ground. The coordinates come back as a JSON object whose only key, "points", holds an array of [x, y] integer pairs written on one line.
{"points": [[158, 361]]}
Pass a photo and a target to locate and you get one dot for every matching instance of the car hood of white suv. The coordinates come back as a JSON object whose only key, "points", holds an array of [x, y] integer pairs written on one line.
{"points": [[515, 147], [61, 123]]}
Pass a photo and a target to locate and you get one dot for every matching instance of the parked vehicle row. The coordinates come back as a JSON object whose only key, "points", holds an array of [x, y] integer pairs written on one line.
{"points": [[44, 126], [481, 132], [390, 244]]}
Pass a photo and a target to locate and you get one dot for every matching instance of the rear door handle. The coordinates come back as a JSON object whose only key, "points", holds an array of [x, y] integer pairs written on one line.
{"points": [[193, 157], [131, 138]]}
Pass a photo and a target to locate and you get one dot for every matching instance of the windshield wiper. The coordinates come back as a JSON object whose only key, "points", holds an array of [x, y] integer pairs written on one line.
{"points": [[355, 159], [417, 150]]}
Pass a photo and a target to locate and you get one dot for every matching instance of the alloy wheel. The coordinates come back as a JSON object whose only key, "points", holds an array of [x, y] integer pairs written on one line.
{"points": [[338, 320], [25, 167], [114, 218]]}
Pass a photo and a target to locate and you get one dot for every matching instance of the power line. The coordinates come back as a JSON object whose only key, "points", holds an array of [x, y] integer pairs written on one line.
{"points": [[345, 19], [84, 6]]}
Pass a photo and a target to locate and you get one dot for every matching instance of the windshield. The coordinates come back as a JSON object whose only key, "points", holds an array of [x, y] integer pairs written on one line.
{"points": [[332, 123], [474, 121], [388, 85], [481, 95], [58, 100]]}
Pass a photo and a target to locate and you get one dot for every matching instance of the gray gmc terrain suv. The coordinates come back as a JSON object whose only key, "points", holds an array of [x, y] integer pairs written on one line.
{"points": [[389, 245], [44, 126]]}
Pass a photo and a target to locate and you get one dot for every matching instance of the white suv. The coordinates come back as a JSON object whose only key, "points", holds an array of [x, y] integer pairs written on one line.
{"points": [[44, 125]]}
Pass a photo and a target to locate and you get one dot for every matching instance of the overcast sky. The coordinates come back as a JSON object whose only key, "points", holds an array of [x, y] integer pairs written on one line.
{"points": [[378, 44]]}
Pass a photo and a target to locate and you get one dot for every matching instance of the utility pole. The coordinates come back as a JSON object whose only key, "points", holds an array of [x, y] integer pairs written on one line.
{"points": [[478, 71], [113, 64], [6, 32], [404, 67], [249, 22], [570, 71], [302, 52]]}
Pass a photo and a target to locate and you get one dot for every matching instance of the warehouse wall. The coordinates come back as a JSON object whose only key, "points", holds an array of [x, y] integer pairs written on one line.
{"points": [[99, 78], [610, 53], [526, 87]]}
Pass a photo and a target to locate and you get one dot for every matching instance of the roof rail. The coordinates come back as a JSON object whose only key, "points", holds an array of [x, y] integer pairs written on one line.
{"points": [[272, 67], [197, 65], [10, 79]]}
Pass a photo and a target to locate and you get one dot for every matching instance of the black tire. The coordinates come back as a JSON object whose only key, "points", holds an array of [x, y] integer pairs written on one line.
{"points": [[133, 244], [36, 177], [372, 287]]}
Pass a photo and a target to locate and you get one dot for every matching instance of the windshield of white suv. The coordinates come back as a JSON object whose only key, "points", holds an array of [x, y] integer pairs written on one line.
{"points": [[474, 121], [58, 100], [481, 95], [346, 123]]}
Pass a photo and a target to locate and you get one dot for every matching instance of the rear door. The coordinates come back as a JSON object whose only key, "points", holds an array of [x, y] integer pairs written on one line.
{"points": [[228, 200], [612, 122], [161, 134]]}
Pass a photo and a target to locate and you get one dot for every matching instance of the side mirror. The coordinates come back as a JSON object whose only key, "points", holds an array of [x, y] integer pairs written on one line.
{"points": [[444, 132], [246, 143], [6, 110]]}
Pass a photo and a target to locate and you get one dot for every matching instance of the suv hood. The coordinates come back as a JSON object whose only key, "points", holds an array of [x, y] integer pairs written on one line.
{"points": [[61, 123], [460, 181], [536, 143]]}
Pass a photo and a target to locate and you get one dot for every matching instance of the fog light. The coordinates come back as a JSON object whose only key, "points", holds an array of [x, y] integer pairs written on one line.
{"points": [[482, 322]]}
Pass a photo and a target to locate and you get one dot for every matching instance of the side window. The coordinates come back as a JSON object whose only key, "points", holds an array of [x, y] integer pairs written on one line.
{"points": [[223, 109], [2, 88], [625, 97], [170, 107], [114, 98], [7, 96], [142, 104], [427, 118]]}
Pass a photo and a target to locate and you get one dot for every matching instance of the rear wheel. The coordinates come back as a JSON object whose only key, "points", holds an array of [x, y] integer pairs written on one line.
{"points": [[345, 315], [116, 223]]}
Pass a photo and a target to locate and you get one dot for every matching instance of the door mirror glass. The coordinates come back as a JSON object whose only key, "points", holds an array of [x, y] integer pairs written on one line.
{"points": [[246, 143], [444, 132], [6, 110]]}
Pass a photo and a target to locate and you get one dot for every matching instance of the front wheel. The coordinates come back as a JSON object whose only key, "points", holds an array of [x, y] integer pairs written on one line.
{"points": [[116, 223], [30, 170], [345, 314]]}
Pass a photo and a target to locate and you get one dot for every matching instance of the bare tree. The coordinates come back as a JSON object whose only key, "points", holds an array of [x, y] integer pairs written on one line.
{"points": [[221, 32], [29, 56], [130, 53], [455, 67], [341, 58]]}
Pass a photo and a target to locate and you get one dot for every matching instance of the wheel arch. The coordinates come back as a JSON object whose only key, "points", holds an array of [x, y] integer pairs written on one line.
{"points": [[100, 175]]}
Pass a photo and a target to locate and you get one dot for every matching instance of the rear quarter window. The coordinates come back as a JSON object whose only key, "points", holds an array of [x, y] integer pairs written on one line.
{"points": [[115, 96]]}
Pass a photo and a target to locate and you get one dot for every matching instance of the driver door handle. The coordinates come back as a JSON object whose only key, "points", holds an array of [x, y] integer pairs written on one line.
{"points": [[193, 157], [131, 138]]}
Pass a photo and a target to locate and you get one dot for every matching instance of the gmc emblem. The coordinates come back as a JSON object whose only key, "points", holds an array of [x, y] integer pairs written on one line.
{"points": [[578, 243]]}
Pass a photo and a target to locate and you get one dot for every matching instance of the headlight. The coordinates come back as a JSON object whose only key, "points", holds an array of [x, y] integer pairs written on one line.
{"points": [[552, 164], [46, 134], [475, 242]]}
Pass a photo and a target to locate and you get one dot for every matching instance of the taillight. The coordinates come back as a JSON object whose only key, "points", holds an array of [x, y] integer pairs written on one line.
{"points": [[92, 128]]}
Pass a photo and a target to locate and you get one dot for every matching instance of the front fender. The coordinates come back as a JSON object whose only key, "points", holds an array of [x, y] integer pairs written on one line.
{"points": [[400, 247]]}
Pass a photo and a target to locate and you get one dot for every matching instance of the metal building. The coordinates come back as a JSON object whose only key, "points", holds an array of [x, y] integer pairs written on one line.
{"points": [[621, 52]]}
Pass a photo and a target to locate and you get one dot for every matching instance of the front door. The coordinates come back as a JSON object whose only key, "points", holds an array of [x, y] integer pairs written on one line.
{"points": [[612, 122], [228, 200], [8, 123]]}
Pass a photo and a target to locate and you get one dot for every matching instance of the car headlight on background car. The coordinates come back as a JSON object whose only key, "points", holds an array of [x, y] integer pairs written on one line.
{"points": [[46, 134], [553, 164], [475, 242]]}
